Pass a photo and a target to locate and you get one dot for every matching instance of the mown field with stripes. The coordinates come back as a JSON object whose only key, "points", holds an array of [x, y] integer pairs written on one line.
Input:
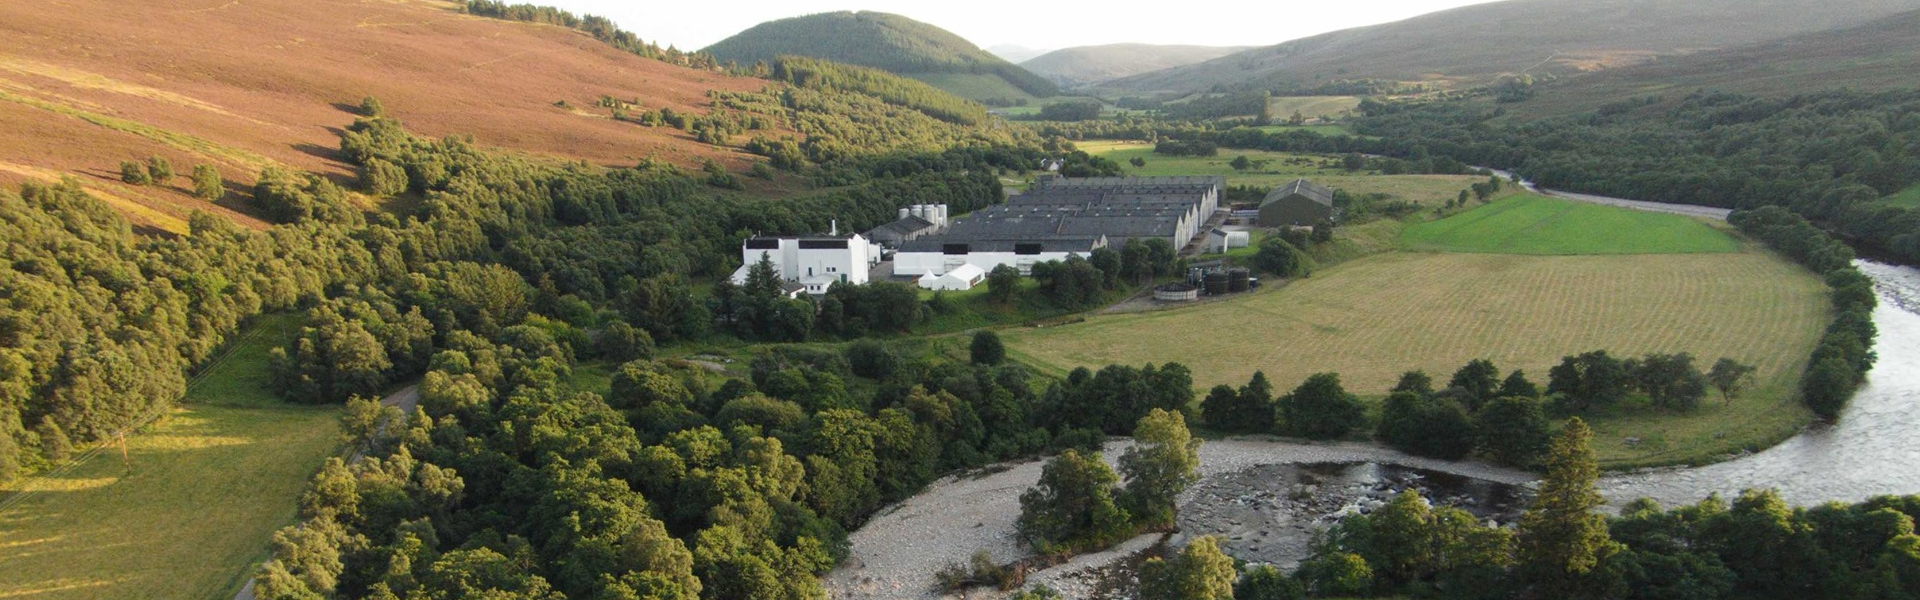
{"points": [[1374, 318]]}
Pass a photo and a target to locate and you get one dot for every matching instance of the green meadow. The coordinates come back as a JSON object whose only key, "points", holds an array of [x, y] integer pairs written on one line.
{"points": [[1533, 224]]}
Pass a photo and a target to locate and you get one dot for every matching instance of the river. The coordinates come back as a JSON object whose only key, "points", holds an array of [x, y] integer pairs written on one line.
{"points": [[1870, 452]]}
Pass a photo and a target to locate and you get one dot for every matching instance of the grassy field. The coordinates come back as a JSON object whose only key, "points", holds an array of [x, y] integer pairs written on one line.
{"points": [[189, 513], [1281, 168], [1373, 318], [1532, 224], [1907, 198], [1557, 289], [1313, 106]]}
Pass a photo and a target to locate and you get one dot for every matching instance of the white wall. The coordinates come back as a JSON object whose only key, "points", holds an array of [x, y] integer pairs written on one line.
{"points": [[794, 263], [918, 263]]}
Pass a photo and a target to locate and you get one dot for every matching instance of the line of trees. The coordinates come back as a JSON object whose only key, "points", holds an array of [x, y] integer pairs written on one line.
{"points": [[1754, 547], [601, 28], [1506, 420], [1840, 362]]}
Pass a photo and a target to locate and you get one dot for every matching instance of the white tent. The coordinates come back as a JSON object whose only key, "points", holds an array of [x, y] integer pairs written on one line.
{"points": [[962, 277]]}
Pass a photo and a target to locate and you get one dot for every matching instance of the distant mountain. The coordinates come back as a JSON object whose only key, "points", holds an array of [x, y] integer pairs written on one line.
{"points": [[1015, 53], [888, 42], [1478, 43], [1094, 64], [1881, 54]]}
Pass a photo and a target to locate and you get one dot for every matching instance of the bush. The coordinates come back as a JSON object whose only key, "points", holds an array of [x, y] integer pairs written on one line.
{"points": [[1513, 431], [1281, 258], [1072, 507], [871, 359], [1425, 426], [987, 349], [1320, 409], [160, 169], [1265, 582], [135, 173], [1336, 574], [207, 184], [621, 342]]}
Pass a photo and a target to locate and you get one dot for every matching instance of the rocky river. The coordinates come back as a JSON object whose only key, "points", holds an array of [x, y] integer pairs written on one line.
{"points": [[1267, 498]]}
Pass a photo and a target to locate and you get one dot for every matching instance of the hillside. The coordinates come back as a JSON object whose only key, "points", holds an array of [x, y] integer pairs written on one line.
{"points": [[80, 93], [888, 42], [1094, 64], [1883, 54], [1477, 43]]}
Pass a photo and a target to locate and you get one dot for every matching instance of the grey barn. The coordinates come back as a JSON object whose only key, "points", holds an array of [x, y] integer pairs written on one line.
{"points": [[1299, 203]]}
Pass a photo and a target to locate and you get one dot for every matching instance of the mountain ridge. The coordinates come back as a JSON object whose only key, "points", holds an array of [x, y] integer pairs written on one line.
{"points": [[880, 40], [1083, 65], [1478, 43]]}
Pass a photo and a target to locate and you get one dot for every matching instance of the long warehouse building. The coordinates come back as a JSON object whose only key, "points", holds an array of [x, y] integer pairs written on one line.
{"points": [[1061, 217]]}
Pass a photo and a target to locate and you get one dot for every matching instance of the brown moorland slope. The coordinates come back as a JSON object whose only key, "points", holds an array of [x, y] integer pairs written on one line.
{"points": [[241, 84]]}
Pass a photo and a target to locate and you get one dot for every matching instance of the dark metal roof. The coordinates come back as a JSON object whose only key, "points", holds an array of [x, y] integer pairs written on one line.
{"points": [[1301, 187], [988, 243], [1129, 182], [900, 228]]}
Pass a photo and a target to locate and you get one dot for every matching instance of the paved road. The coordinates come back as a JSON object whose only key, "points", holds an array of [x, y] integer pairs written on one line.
{"points": [[1690, 210], [405, 398], [1678, 209]]}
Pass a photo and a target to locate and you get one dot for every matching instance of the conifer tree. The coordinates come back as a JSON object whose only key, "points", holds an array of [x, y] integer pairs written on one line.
{"points": [[1561, 541]]}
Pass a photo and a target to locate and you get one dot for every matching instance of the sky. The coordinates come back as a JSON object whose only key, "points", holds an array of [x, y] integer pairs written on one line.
{"points": [[1038, 24]]}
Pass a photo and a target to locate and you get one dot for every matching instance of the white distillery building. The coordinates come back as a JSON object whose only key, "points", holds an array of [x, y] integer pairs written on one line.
{"points": [[940, 254], [816, 262]]}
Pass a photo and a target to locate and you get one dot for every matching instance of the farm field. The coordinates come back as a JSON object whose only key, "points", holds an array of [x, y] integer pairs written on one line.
{"points": [[1374, 318], [190, 518], [1281, 168], [1907, 198], [1312, 106], [1533, 224]]}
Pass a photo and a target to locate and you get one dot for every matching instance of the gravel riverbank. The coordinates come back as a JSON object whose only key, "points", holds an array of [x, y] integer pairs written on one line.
{"points": [[897, 552]]}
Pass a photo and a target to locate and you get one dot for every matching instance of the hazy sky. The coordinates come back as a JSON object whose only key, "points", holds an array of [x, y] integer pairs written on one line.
{"points": [[1043, 24]]}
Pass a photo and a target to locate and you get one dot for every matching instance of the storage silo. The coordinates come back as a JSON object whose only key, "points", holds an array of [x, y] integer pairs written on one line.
{"points": [[1216, 283], [1238, 280]]}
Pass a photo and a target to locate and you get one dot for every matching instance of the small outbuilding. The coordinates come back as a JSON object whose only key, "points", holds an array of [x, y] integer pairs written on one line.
{"points": [[959, 278], [1219, 241], [1297, 204]]}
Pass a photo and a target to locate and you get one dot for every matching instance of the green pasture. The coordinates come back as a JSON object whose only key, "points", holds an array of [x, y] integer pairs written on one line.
{"points": [[1533, 224]]}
